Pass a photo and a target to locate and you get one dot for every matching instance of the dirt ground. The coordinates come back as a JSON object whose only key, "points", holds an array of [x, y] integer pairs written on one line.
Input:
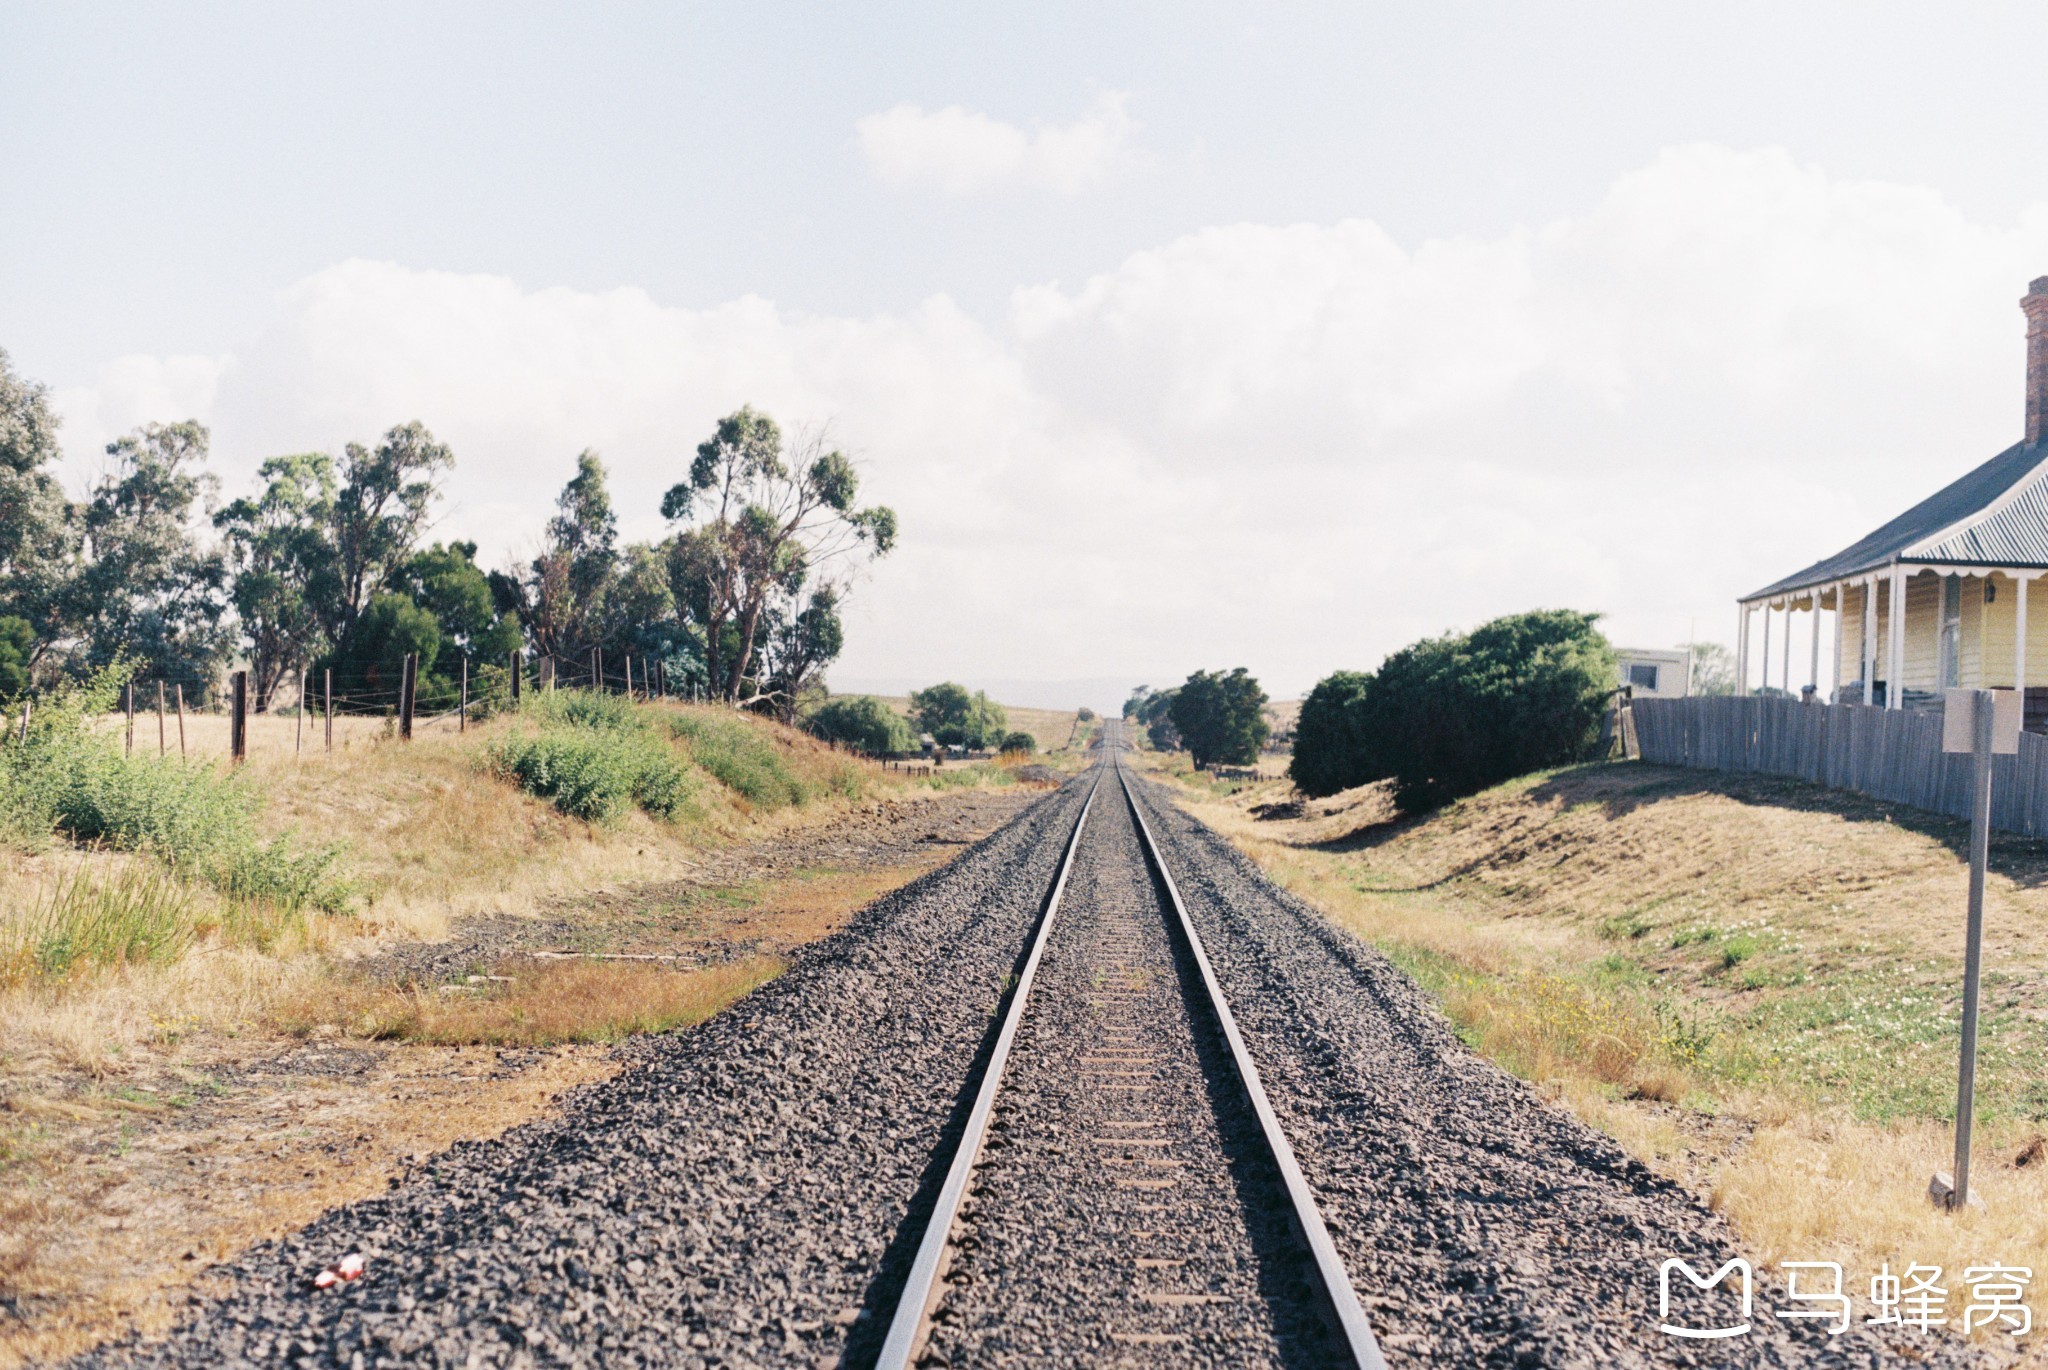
{"points": [[117, 1191]]}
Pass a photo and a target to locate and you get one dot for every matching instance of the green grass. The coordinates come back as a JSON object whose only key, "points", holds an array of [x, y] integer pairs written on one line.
{"points": [[66, 778], [130, 917], [739, 758]]}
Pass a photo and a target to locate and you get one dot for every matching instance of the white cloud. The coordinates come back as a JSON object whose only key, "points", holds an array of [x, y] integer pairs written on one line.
{"points": [[129, 391], [1289, 447], [961, 151]]}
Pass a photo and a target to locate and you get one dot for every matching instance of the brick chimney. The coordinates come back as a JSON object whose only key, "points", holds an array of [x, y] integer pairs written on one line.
{"points": [[2036, 305]]}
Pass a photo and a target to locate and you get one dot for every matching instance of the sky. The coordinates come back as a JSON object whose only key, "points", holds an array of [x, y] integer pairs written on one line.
{"points": [[1179, 336]]}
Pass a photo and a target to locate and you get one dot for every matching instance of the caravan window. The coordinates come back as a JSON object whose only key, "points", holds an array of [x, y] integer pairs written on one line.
{"points": [[1642, 676]]}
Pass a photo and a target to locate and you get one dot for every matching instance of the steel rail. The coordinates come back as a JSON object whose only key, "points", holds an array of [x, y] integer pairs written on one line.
{"points": [[1334, 1282], [921, 1290]]}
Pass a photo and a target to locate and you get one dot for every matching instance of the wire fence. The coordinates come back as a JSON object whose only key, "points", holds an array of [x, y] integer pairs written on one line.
{"points": [[163, 709], [181, 715]]}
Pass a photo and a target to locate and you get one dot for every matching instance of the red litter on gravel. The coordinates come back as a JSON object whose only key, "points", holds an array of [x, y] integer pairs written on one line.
{"points": [[349, 1267]]}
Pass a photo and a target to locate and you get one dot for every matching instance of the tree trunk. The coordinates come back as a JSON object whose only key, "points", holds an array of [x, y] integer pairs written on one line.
{"points": [[739, 668]]}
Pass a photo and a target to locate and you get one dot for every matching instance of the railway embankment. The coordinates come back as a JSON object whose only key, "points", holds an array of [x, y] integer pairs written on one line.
{"points": [[1752, 984], [163, 1109]]}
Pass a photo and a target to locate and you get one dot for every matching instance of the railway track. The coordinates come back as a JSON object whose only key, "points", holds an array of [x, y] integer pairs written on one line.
{"points": [[785, 1186], [1122, 1186]]}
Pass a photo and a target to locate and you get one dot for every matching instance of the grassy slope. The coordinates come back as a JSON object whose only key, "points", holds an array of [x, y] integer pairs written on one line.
{"points": [[1752, 983]]}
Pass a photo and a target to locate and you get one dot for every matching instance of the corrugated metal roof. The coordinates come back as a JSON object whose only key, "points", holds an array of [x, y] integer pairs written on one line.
{"points": [[1995, 515]]}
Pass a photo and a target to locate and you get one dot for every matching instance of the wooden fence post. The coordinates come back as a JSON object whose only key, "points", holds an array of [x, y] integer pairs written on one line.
{"points": [[660, 679], [512, 674], [238, 719], [162, 745], [629, 677], [596, 668], [407, 678], [128, 707], [299, 734], [180, 687], [28, 706], [462, 713], [547, 674], [327, 702]]}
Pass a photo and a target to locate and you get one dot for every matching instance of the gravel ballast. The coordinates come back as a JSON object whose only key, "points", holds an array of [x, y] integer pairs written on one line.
{"points": [[735, 1197], [1480, 1224], [1124, 1205], [750, 1192]]}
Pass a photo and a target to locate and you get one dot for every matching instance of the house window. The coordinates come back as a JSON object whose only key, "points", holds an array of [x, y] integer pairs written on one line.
{"points": [[1951, 630], [1642, 677]]}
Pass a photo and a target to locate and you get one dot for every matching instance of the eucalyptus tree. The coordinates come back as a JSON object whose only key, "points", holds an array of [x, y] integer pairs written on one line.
{"points": [[567, 597], [39, 529], [147, 590], [381, 511], [760, 520], [282, 559]]}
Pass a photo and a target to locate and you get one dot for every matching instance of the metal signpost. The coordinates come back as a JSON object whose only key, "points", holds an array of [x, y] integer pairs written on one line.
{"points": [[1982, 723]]}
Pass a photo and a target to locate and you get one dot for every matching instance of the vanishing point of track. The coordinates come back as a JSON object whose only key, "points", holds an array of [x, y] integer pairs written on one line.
{"points": [[1122, 1181]]}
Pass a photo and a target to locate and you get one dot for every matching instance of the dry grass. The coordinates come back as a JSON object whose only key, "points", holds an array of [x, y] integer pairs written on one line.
{"points": [[1750, 984], [148, 1184], [529, 1003], [154, 1105]]}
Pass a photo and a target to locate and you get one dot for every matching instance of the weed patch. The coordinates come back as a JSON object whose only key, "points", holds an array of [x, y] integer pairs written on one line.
{"points": [[66, 778], [594, 773]]}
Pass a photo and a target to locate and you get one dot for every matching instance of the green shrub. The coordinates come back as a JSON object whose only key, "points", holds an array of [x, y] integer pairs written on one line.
{"points": [[738, 757], [1450, 716], [17, 645], [584, 709], [1020, 742], [66, 777], [862, 721], [1329, 753], [956, 718], [595, 773]]}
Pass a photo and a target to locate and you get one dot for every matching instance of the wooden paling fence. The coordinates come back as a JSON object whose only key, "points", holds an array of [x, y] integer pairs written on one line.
{"points": [[1885, 754]]}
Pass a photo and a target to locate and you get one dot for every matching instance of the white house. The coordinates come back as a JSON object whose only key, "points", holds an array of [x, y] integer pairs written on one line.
{"points": [[1938, 596], [1655, 672]]}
